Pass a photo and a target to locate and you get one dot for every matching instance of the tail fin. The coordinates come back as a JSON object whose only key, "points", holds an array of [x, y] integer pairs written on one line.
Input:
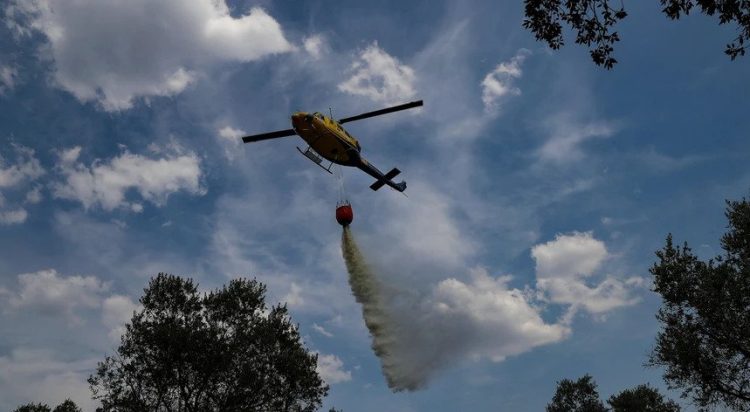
{"points": [[388, 176], [401, 186]]}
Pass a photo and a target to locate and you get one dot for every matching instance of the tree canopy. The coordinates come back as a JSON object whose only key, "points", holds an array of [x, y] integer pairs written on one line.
{"points": [[642, 398], [594, 21], [582, 396], [221, 351], [66, 406], [578, 396], [704, 343]]}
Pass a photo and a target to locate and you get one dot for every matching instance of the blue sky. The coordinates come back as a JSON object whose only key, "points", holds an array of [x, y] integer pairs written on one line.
{"points": [[539, 185]]}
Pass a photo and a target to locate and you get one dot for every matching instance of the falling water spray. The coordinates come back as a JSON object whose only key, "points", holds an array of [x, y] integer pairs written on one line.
{"points": [[370, 294]]}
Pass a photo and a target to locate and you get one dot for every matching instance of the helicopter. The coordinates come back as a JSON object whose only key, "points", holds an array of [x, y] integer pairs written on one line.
{"points": [[327, 139]]}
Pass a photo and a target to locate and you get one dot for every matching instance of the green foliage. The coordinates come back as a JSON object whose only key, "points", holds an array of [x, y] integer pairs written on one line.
{"points": [[67, 406], [642, 398], [578, 396], [593, 21], [223, 351], [704, 344]]}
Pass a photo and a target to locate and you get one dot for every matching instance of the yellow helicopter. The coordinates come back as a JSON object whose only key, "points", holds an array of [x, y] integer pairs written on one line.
{"points": [[326, 139]]}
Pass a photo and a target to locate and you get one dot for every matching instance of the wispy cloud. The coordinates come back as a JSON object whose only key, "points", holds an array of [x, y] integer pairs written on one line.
{"points": [[26, 169]]}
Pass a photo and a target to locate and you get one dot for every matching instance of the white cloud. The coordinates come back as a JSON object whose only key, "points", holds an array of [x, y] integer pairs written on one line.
{"points": [[117, 310], [25, 169], [105, 184], [499, 84], [38, 375], [34, 195], [567, 136], [230, 138], [380, 77], [323, 331], [12, 217], [331, 369], [314, 46], [569, 256], [8, 76], [231, 134], [114, 53], [47, 292], [562, 266]]}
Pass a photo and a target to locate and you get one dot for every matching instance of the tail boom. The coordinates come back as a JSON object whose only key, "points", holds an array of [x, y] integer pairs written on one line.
{"points": [[382, 179]]}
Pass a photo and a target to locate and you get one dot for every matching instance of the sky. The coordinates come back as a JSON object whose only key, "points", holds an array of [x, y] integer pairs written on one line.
{"points": [[539, 185]]}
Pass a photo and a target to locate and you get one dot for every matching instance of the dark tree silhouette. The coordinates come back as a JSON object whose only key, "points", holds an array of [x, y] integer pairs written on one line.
{"points": [[578, 396], [223, 351], [642, 398], [66, 406], [704, 344], [582, 396], [593, 22]]}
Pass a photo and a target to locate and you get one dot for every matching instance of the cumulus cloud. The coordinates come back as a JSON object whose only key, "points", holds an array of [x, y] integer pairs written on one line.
{"points": [[47, 292], [105, 184], [499, 84], [563, 266], [117, 310], [331, 369], [380, 77], [114, 53]]}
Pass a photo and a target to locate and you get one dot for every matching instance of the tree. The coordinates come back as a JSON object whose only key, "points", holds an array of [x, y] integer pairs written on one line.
{"points": [[593, 21], [221, 351], [578, 396], [33, 407], [704, 343], [642, 398], [582, 396], [67, 406]]}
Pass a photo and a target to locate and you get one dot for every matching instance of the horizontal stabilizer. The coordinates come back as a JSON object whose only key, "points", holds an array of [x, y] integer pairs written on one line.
{"points": [[388, 176]]}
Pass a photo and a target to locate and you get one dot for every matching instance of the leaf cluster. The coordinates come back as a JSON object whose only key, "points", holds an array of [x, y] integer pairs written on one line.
{"points": [[591, 20]]}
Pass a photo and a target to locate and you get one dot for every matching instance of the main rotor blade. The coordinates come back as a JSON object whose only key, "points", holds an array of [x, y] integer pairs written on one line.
{"points": [[270, 135], [382, 111]]}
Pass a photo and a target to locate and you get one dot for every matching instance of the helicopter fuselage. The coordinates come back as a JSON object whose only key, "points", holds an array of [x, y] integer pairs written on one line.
{"points": [[328, 138]]}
